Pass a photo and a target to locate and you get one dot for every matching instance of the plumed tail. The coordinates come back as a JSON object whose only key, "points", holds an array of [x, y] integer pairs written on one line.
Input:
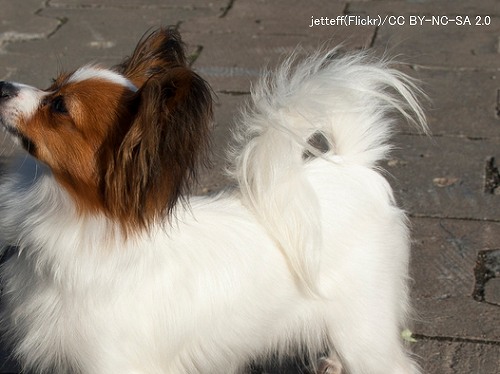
{"points": [[349, 100]]}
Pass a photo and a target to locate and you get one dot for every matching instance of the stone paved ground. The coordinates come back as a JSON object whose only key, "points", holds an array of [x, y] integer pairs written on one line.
{"points": [[448, 184]]}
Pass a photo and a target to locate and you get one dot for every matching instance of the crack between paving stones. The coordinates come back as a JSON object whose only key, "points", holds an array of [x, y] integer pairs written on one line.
{"points": [[469, 219], [8, 38], [195, 55], [227, 8], [455, 241], [497, 107], [455, 339], [458, 69], [127, 7], [374, 37], [62, 20], [457, 136]]}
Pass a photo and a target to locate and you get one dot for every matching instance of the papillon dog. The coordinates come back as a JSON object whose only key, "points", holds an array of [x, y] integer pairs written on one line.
{"points": [[116, 269]]}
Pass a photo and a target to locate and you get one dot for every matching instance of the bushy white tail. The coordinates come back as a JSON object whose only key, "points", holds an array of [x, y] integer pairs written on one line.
{"points": [[347, 99]]}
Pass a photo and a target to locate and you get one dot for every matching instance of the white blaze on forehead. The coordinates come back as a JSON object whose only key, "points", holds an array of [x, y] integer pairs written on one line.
{"points": [[90, 72]]}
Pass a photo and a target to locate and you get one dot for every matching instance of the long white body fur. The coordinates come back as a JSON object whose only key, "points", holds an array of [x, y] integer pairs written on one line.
{"points": [[308, 254]]}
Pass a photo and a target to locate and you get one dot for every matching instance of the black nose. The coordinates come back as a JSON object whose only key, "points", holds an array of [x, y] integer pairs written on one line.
{"points": [[7, 90]]}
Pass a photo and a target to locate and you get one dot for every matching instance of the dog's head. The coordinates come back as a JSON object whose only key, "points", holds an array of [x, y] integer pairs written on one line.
{"points": [[123, 141]]}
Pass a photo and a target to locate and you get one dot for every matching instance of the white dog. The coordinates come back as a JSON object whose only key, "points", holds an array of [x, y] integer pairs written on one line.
{"points": [[119, 271]]}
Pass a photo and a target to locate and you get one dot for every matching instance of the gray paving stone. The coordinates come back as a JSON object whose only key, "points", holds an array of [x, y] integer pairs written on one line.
{"points": [[97, 39], [96, 36], [492, 291], [443, 266], [444, 177], [463, 103], [231, 62], [447, 357], [280, 17], [33, 26], [21, 22], [452, 46], [226, 109], [458, 103], [254, 35]]}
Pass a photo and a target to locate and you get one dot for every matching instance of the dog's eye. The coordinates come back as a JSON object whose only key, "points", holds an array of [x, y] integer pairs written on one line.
{"points": [[58, 105]]}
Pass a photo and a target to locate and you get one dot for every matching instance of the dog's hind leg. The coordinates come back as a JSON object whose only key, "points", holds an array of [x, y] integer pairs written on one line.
{"points": [[368, 350]]}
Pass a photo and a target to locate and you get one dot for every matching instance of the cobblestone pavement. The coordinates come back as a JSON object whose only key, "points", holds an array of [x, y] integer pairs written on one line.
{"points": [[448, 184]]}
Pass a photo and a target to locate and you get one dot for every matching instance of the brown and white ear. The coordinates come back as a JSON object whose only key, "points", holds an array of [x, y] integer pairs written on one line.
{"points": [[155, 160], [160, 50]]}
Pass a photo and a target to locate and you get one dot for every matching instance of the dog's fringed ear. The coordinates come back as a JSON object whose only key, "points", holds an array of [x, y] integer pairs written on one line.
{"points": [[154, 162], [162, 49]]}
